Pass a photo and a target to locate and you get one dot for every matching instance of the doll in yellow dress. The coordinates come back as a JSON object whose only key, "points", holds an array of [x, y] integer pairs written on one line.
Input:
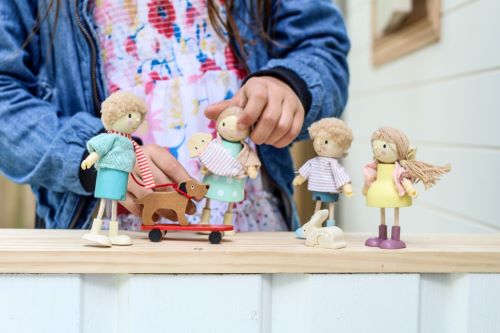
{"points": [[389, 181]]}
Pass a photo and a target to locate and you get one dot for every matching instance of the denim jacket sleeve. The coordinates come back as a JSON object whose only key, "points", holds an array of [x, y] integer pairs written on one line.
{"points": [[37, 146], [310, 38]]}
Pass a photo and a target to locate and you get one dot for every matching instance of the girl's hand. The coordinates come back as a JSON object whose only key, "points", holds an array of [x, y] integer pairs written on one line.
{"points": [[165, 169], [270, 106], [89, 161]]}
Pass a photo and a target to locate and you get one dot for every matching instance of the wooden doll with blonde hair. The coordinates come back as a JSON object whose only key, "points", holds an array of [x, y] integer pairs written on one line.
{"points": [[326, 176], [389, 181]]}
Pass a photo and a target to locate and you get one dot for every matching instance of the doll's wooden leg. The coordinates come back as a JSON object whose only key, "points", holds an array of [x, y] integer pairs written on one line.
{"points": [[228, 218], [382, 232], [395, 241], [318, 206], [205, 214], [113, 228], [94, 236], [100, 212], [331, 213]]}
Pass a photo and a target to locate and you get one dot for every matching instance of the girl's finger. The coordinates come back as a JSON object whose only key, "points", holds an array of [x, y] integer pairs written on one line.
{"points": [[168, 165], [268, 120], [298, 121], [256, 96], [213, 111], [284, 124]]}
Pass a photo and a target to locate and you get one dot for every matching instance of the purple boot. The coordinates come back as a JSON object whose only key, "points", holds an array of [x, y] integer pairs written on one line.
{"points": [[382, 235], [394, 243]]}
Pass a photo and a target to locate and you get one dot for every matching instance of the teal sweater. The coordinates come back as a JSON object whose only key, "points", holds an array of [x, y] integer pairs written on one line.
{"points": [[115, 151]]}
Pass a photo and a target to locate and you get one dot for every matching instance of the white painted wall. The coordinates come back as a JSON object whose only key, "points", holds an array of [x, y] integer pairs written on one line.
{"points": [[446, 98], [281, 303]]}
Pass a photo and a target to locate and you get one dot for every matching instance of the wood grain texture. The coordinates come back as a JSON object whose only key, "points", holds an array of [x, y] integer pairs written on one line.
{"points": [[62, 251]]}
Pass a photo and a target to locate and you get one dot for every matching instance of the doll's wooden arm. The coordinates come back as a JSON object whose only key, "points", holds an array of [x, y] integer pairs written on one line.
{"points": [[90, 161], [408, 186], [347, 190], [298, 180], [204, 170], [365, 189], [252, 172]]}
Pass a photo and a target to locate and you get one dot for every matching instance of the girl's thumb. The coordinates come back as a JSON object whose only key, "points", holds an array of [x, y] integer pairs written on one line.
{"points": [[213, 111]]}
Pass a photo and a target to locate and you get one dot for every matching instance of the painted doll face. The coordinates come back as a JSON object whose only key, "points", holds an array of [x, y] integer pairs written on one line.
{"points": [[229, 131], [384, 152], [326, 147], [128, 123], [198, 143]]}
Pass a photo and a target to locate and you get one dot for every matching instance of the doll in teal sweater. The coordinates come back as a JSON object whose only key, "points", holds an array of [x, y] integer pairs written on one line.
{"points": [[114, 155]]}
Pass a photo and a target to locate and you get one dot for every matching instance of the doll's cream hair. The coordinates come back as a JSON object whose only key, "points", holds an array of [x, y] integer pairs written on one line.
{"points": [[230, 111], [427, 173], [334, 129], [119, 104]]}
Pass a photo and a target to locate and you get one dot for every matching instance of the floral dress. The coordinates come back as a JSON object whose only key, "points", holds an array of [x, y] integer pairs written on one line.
{"points": [[168, 52]]}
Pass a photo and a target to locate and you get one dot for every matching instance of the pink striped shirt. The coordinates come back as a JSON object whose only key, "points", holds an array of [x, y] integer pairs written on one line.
{"points": [[325, 174], [219, 161]]}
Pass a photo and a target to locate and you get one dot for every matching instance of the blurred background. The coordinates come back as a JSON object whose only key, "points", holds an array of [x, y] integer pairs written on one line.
{"points": [[428, 67]]}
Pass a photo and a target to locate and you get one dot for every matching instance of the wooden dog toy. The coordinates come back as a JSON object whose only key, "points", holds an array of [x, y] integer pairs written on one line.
{"points": [[176, 201]]}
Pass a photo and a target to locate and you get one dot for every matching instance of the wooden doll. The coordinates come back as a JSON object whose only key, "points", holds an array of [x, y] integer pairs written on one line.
{"points": [[389, 181], [114, 154], [226, 161], [327, 177]]}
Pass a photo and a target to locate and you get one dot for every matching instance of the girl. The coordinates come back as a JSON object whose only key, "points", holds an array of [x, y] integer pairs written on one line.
{"points": [[283, 62], [389, 179]]}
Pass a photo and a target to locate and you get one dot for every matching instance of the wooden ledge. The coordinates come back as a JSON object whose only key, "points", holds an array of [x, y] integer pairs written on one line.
{"points": [[62, 251]]}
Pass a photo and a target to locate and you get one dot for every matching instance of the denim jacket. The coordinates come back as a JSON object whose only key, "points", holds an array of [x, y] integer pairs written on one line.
{"points": [[51, 90]]}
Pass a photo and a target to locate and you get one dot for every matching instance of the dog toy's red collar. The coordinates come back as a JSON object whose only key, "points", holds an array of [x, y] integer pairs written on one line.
{"points": [[173, 185]]}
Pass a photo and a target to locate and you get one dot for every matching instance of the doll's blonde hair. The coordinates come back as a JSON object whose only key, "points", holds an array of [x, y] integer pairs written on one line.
{"points": [[119, 104], [427, 173], [334, 129]]}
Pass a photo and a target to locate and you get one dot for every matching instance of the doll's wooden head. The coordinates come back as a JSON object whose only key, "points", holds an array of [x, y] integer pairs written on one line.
{"points": [[331, 137], [226, 125], [390, 145], [198, 143], [123, 112]]}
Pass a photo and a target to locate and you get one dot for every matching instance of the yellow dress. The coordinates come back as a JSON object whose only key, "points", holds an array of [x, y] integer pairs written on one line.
{"points": [[383, 193]]}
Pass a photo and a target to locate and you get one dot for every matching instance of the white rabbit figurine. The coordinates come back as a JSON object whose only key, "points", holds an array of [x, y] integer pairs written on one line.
{"points": [[328, 237]]}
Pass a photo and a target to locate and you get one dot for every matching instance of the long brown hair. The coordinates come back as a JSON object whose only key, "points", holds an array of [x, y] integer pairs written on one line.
{"points": [[260, 14], [420, 171]]}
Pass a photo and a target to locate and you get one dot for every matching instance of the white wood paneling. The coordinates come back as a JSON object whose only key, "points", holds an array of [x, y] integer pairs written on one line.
{"points": [[40, 303], [469, 44], [305, 303], [196, 303], [463, 111]]}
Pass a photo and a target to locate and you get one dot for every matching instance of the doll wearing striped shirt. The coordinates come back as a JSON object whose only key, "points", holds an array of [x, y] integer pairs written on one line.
{"points": [[326, 176]]}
